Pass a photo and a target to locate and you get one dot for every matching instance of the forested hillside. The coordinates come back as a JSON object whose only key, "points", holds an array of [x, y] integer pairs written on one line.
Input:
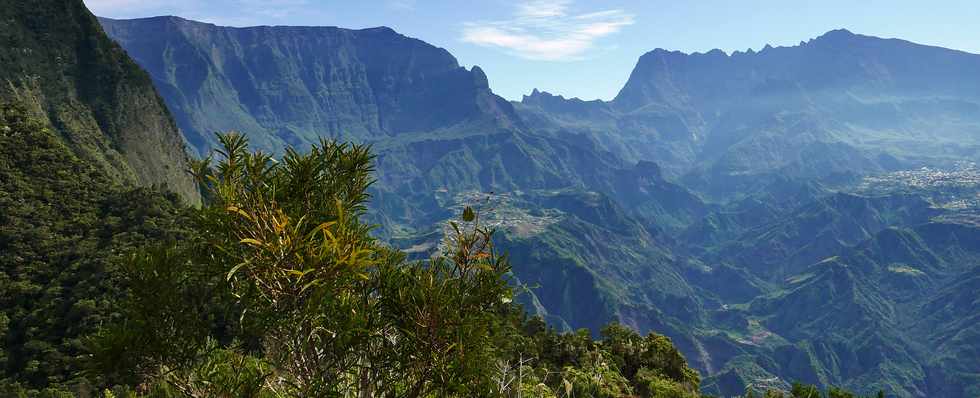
{"points": [[81, 128], [270, 290], [281, 291], [56, 60], [65, 228]]}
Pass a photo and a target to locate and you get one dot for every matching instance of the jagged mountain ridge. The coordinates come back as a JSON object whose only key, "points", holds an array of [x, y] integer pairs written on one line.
{"points": [[435, 124], [836, 61], [833, 108], [461, 136]]}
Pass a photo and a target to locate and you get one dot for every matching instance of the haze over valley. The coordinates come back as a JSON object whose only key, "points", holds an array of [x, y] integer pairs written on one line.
{"points": [[805, 214]]}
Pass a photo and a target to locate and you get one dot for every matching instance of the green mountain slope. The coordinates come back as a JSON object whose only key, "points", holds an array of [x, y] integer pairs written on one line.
{"points": [[65, 224], [869, 318], [770, 136], [81, 127], [55, 58], [816, 230]]}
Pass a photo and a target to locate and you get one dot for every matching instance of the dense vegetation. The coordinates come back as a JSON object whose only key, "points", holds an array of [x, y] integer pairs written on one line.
{"points": [[65, 226]]}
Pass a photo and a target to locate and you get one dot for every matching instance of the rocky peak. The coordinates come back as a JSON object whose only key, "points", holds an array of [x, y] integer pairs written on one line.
{"points": [[836, 36]]}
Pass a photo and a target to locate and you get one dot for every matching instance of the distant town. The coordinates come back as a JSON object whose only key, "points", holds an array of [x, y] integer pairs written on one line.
{"points": [[955, 188]]}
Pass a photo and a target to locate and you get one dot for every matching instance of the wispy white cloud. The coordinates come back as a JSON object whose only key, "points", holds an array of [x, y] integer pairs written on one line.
{"points": [[547, 30]]}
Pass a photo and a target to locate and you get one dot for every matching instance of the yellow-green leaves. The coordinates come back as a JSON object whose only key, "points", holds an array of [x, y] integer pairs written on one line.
{"points": [[239, 211], [253, 242], [282, 243], [287, 231], [233, 270]]}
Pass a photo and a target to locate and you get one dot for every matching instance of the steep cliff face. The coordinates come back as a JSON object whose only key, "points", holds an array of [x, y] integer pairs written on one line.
{"points": [[436, 127], [290, 86], [55, 58]]}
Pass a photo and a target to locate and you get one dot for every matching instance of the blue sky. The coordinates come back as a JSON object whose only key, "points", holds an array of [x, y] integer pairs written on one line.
{"points": [[581, 48]]}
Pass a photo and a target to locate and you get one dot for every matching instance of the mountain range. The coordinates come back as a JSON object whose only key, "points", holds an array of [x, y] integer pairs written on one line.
{"points": [[797, 213], [713, 200]]}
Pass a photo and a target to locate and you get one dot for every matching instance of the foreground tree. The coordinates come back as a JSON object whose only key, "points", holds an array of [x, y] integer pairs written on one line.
{"points": [[283, 292]]}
